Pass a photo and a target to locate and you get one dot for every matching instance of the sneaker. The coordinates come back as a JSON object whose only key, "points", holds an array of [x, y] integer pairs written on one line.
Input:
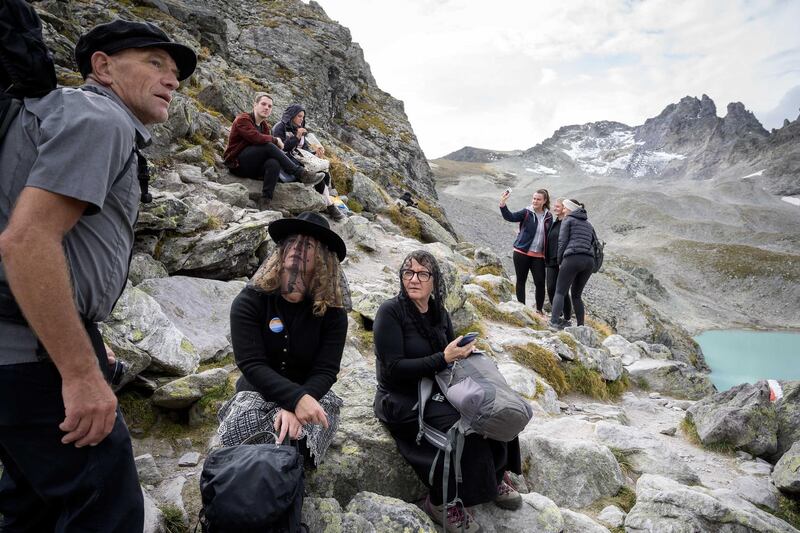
{"points": [[507, 497], [558, 325], [310, 178], [334, 212], [263, 203], [457, 518]]}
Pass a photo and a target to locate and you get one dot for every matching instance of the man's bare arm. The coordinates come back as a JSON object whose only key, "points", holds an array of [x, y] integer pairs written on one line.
{"points": [[36, 269]]}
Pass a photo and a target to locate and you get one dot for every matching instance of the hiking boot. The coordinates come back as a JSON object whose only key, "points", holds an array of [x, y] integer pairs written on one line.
{"points": [[507, 497], [310, 178], [334, 212], [456, 517], [263, 203], [556, 325]]}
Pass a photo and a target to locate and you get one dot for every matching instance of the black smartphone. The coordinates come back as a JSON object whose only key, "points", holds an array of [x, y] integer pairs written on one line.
{"points": [[468, 338]]}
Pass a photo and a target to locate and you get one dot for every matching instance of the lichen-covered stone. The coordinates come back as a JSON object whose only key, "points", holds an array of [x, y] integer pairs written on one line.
{"points": [[390, 515], [143, 267], [786, 475], [663, 504], [199, 308], [742, 417], [538, 514], [183, 392], [573, 473], [674, 378]]}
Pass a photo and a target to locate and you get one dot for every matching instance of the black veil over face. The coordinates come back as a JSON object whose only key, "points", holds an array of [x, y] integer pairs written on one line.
{"points": [[430, 328], [302, 264]]}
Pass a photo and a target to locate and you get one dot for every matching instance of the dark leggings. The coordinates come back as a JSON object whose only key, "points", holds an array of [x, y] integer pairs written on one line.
{"points": [[264, 162], [573, 274], [552, 276], [522, 264]]}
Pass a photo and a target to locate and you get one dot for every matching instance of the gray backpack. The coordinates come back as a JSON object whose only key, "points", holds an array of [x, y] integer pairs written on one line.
{"points": [[488, 407]]}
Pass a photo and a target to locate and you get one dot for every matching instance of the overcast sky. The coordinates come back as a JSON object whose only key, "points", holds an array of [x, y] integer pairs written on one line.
{"points": [[505, 74]]}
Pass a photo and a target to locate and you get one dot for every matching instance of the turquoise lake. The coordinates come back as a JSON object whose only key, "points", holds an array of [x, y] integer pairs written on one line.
{"points": [[748, 356]]}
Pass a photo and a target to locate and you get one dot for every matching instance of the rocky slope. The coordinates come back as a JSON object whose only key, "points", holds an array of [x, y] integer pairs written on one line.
{"points": [[614, 458]]}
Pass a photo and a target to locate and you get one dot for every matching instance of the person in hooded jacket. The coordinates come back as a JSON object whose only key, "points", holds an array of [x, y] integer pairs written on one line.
{"points": [[575, 261], [551, 258], [529, 247], [291, 129]]}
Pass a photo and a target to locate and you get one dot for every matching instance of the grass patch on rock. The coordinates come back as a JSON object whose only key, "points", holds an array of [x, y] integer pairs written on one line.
{"points": [[602, 329], [222, 363], [139, 413], [625, 499], [407, 223], [569, 340], [585, 380], [354, 205], [490, 312], [495, 270], [544, 363], [173, 519], [623, 459]]}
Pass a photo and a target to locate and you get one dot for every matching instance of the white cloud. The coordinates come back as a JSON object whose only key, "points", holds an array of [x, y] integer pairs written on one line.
{"points": [[506, 75]]}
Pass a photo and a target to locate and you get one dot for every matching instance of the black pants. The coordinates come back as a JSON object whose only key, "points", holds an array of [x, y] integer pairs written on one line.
{"points": [[49, 486], [522, 264], [264, 162], [552, 276], [483, 463], [573, 274]]}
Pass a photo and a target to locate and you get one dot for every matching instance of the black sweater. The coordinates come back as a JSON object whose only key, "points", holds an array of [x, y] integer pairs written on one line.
{"points": [[403, 354], [302, 358], [575, 236], [551, 240]]}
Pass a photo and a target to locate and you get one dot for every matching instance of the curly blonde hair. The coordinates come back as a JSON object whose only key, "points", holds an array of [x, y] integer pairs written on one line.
{"points": [[325, 287]]}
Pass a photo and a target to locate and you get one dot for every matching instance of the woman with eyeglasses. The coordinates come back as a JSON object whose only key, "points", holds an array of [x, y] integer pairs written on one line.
{"points": [[414, 339]]}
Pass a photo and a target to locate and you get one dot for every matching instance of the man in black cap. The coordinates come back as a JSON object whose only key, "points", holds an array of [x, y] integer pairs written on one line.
{"points": [[68, 203]]}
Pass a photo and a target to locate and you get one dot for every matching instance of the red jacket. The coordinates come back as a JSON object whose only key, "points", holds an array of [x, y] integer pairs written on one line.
{"points": [[244, 132]]}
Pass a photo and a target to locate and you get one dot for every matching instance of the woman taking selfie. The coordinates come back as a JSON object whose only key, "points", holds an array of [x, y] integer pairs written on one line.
{"points": [[529, 247]]}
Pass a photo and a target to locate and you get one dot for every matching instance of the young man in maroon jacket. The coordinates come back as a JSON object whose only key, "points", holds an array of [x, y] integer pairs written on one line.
{"points": [[253, 153]]}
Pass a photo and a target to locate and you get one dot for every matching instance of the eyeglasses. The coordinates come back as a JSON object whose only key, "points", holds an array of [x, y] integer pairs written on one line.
{"points": [[422, 275]]}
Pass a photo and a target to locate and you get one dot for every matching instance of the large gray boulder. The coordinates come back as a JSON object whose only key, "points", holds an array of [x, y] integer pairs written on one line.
{"points": [[430, 229], [498, 287], [585, 335], [674, 378], [183, 392], [390, 515], [786, 475], [143, 267], [619, 346], [530, 385], [788, 411], [199, 308], [742, 417], [359, 231], [580, 523], [538, 514], [168, 212], [367, 193], [663, 504], [296, 198], [224, 254], [363, 456], [573, 473], [609, 366], [644, 452], [138, 324]]}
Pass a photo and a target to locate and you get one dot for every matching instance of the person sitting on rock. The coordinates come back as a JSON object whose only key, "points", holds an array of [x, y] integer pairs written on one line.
{"points": [[252, 152], [288, 330], [414, 339], [297, 143], [575, 262]]}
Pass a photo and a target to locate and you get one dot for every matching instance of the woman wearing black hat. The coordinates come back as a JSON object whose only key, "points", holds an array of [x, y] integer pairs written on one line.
{"points": [[297, 141], [414, 339], [288, 328]]}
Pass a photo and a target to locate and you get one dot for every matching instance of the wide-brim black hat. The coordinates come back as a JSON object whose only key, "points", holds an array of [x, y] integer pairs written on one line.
{"points": [[313, 225], [118, 35]]}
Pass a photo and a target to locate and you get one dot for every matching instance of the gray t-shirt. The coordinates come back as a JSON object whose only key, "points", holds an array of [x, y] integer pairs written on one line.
{"points": [[77, 143]]}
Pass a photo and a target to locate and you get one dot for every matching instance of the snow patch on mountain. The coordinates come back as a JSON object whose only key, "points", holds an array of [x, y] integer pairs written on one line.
{"points": [[541, 169]]}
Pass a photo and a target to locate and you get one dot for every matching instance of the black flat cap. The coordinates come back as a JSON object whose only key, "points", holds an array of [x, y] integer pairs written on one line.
{"points": [[118, 35]]}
